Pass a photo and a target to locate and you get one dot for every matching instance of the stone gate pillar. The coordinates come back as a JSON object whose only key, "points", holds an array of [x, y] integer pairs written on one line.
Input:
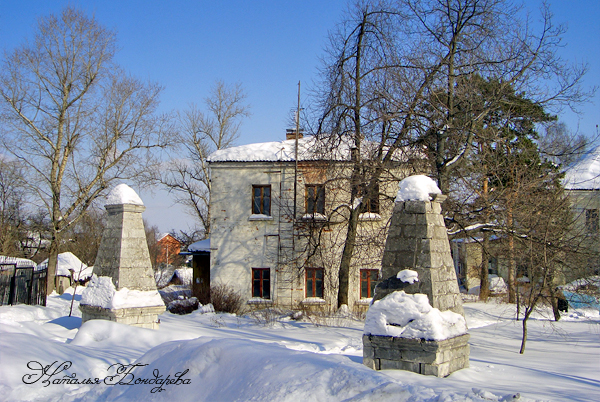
{"points": [[123, 257], [418, 240]]}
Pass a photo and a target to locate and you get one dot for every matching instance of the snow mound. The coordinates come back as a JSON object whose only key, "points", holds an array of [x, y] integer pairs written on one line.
{"points": [[497, 284], [417, 188], [68, 262], [114, 335], [408, 275], [185, 276], [101, 292], [244, 370], [411, 316], [123, 194]]}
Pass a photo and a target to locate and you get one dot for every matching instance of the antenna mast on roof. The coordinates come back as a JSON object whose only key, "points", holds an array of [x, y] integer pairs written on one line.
{"points": [[296, 155]]}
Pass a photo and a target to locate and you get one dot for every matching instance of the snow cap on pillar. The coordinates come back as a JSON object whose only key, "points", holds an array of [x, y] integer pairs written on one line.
{"points": [[417, 188], [123, 194]]}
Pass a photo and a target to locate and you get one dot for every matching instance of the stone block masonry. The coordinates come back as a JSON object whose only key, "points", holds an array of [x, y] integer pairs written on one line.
{"points": [[144, 317], [417, 240], [123, 256], [437, 358]]}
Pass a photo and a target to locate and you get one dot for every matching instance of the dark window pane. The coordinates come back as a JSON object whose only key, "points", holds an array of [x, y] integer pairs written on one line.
{"points": [[310, 290], [256, 288], [266, 288], [320, 200], [319, 288], [256, 201], [267, 201], [310, 203], [364, 289]]}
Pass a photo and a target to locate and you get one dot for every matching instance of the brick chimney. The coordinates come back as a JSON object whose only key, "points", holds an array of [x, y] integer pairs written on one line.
{"points": [[290, 134]]}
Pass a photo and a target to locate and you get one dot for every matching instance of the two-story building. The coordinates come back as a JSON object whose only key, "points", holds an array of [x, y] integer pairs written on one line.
{"points": [[279, 213]]}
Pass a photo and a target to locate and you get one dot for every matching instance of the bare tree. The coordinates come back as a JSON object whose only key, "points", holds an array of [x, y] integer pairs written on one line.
{"points": [[402, 73], [12, 200], [83, 237], [200, 134], [75, 119]]}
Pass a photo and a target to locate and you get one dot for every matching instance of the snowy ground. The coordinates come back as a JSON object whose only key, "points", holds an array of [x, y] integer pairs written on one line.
{"points": [[215, 357]]}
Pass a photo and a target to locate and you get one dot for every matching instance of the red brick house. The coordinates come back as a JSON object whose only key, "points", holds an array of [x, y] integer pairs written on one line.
{"points": [[168, 249]]}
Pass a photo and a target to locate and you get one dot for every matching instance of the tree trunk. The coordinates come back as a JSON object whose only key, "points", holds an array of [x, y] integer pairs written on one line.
{"points": [[524, 338], [344, 273], [52, 262], [484, 283], [512, 263]]}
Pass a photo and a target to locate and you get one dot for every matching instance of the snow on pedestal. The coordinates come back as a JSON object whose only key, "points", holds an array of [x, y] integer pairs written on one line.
{"points": [[416, 321], [402, 331], [123, 288]]}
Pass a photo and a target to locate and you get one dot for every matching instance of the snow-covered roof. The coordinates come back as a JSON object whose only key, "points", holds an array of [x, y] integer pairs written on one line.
{"points": [[21, 262], [585, 174], [309, 149], [202, 245], [276, 151], [68, 262], [163, 235], [123, 194]]}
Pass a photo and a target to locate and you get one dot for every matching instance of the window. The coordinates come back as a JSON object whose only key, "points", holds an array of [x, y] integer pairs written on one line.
{"points": [[591, 220], [314, 282], [372, 202], [315, 199], [368, 280], [493, 266], [261, 199], [261, 283]]}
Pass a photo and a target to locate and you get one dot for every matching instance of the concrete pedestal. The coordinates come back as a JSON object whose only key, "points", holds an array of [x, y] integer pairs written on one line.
{"points": [[144, 317], [438, 358]]}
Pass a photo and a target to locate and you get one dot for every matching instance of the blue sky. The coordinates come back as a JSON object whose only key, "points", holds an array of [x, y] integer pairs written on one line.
{"points": [[267, 46]]}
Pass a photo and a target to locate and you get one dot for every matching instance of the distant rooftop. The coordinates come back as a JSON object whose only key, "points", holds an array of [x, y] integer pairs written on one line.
{"points": [[585, 174]]}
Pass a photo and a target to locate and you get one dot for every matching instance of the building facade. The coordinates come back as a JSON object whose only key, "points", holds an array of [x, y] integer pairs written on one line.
{"points": [[279, 222]]}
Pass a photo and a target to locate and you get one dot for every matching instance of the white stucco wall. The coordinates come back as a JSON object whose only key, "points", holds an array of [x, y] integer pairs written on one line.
{"points": [[239, 242]]}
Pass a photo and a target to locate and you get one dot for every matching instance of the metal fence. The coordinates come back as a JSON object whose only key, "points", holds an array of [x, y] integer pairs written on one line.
{"points": [[22, 285]]}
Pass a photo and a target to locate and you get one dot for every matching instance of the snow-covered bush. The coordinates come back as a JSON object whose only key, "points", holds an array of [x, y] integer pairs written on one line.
{"points": [[183, 306]]}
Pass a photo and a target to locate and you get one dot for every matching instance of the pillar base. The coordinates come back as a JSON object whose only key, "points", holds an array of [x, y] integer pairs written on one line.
{"points": [[438, 358], [143, 317]]}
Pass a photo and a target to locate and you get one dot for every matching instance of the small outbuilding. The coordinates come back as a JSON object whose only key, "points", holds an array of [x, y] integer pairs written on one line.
{"points": [[69, 269], [200, 252]]}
